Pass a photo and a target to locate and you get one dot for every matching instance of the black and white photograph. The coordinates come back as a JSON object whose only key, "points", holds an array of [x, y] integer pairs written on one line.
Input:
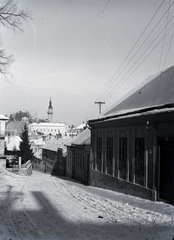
{"points": [[86, 119]]}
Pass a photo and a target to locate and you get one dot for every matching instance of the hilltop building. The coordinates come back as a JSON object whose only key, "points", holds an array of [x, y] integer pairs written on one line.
{"points": [[51, 129]]}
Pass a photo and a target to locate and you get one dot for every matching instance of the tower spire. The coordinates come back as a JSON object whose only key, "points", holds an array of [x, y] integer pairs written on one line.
{"points": [[50, 111], [50, 104]]}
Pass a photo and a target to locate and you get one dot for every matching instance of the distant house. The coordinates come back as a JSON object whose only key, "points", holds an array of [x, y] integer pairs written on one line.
{"points": [[73, 132], [14, 128], [54, 157], [132, 144], [78, 157], [3, 121], [12, 144]]}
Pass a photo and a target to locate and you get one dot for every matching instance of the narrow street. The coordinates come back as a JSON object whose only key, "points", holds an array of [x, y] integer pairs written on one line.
{"points": [[45, 207]]}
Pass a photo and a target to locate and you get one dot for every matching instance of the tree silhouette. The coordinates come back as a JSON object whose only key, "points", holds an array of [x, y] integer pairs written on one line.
{"points": [[10, 17], [26, 152]]}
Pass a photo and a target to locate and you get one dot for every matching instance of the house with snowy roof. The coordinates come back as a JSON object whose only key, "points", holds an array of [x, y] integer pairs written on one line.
{"points": [[72, 132], [132, 144], [78, 157], [54, 156], [3, 121]]}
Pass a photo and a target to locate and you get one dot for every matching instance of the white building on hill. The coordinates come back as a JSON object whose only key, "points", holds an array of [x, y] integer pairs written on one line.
{"points": [[49, 128]]}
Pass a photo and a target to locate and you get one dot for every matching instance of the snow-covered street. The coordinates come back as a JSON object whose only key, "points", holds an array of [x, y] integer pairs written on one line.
{"points": [[45, 207]]}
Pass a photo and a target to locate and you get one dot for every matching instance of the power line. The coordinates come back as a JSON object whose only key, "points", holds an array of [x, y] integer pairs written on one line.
{"points": [[143, 59], [162, 48], [107, 87], [142, 54], [141, 47], [110, 82]]}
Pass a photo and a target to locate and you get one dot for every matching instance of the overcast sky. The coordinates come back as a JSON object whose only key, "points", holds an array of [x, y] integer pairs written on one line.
{"points": [[72, 50]]}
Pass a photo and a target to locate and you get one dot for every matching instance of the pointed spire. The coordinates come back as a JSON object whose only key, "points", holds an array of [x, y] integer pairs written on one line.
{"points": [[50, 104], [50, 112]]}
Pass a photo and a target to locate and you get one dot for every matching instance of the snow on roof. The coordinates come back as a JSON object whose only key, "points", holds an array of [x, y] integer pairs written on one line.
{"points": [[51, 147], [55, 144], [83, 138], [2, 117], [137, 112], [49, 124], [81, 126], [69, 141], [156, 92], [14, 143]]}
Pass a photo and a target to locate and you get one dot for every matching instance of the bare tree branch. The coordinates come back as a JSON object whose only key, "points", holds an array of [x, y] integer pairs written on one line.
{"points": [[11, 17]]}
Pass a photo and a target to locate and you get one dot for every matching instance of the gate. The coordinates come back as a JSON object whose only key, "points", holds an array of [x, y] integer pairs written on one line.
{"points": [[166, 191]]}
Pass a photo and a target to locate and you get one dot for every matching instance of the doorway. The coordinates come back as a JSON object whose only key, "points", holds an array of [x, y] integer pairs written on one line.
{"points": [[166, 191]]}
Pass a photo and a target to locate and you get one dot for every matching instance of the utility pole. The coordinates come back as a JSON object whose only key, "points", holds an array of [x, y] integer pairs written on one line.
{"points": [[99, 105]]}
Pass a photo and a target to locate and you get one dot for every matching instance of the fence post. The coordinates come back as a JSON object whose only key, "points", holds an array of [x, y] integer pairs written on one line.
{"points": [[19, 164]]}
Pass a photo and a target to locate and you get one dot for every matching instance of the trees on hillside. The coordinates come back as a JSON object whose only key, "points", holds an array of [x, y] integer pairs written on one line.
{"points": [[10, 17], [26, 152], [19, 115]]}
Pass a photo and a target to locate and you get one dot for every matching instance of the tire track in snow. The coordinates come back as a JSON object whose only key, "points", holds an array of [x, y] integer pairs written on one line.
{"points": [[113, 210]]}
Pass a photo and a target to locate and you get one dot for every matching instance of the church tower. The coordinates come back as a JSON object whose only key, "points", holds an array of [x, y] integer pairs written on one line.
{"points": [[50, 112]]}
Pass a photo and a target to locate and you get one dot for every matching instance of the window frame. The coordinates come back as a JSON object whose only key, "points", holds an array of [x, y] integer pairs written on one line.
{"points": [[122, 153], [139, 155]]}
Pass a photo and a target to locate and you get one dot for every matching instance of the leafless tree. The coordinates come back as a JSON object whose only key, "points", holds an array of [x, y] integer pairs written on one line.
{"points": [[11, 17]]}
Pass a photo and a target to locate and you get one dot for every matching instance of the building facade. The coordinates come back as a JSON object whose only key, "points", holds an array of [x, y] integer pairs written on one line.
{"points": [[78, 157], [3, 121], [51, 129], [54, 157], [132, 144]]}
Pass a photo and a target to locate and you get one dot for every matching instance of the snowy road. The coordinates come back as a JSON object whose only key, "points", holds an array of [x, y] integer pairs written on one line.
{"points": [[45, 207]]}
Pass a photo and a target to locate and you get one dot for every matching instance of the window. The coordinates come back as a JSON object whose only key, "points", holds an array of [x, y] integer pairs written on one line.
{"points": [[99, 153], [123, 153], [109, 155], [139, 155]]}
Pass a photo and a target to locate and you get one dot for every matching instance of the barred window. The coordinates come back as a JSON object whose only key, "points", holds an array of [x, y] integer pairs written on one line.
{"points": [[139, 155], [99, 153], [109, 155]]}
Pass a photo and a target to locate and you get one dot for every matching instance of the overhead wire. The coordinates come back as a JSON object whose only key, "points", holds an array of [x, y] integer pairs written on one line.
{"points": [[150, 43], [105, 89], [144, 58], [160, 60], [122, 80], [108, 85], [111, 83]]}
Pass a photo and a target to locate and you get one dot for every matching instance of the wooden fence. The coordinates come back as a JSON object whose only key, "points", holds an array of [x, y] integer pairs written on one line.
{"points": [[26, 168]]}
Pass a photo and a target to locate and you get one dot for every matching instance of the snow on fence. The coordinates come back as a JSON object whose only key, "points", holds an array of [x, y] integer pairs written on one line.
{"points": [[26, 168]]}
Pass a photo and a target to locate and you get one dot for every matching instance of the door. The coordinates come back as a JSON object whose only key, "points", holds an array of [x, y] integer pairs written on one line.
{"points": [[166, 190]]}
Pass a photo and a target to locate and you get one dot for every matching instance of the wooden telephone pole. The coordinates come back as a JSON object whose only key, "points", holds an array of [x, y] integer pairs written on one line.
{"points": [[99, 105]]}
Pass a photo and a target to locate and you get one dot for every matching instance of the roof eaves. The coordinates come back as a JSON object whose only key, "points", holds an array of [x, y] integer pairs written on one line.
{"points": [[147, 109]]}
